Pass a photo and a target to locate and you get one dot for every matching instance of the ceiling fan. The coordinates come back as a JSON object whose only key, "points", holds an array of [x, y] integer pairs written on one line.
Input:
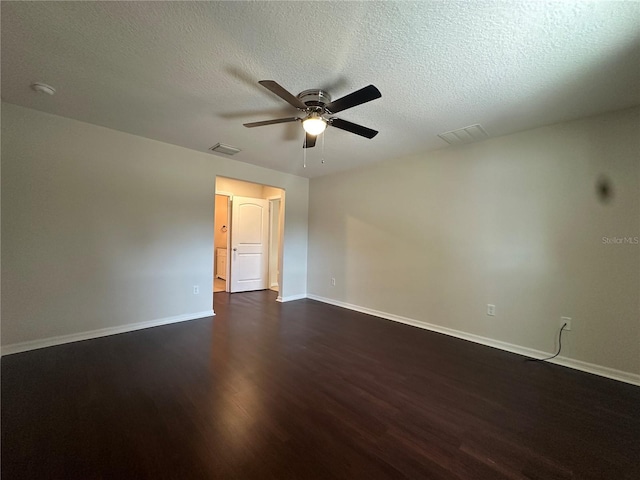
{"points": [[318, 109]]}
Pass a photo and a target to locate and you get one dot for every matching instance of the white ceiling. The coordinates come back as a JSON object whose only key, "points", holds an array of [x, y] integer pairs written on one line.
{"points": [[187, 73]]}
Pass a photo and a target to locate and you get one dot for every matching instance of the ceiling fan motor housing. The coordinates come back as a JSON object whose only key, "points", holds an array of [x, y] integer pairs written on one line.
{"points": [[314, 98]]}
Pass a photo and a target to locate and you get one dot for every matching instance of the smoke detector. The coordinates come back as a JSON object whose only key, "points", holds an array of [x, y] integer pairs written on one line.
{"points": [[469, 134], [43, 88], [226, 149]]}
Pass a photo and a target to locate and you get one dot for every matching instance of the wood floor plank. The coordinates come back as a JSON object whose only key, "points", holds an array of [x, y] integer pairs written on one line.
{"points": [[304, 390]]}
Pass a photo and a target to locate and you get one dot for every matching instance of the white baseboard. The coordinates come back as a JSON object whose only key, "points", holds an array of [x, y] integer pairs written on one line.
{"points": [[612, 373], [291, 298], [102, 332]]}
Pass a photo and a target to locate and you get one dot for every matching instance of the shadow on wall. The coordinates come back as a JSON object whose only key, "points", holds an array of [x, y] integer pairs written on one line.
{"points": [[515, 221]]}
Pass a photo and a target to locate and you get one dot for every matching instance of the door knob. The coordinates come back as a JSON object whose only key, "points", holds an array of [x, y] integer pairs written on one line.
{"points": [[235, 249]]}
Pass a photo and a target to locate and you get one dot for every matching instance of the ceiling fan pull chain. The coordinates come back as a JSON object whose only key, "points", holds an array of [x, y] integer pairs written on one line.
{"points": [[323, 134], [304, 153]]}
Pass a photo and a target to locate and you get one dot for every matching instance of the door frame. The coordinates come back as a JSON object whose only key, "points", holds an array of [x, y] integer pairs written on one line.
{"points": [[279, 234], [229, 196], [283, 201]]}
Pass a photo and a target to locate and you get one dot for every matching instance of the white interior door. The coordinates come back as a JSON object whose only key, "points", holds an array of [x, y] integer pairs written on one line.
{"points": [[249, 244]]}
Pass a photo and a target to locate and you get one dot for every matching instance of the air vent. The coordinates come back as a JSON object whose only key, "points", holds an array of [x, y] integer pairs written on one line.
{"points": [[226, 149], [469, 134]]}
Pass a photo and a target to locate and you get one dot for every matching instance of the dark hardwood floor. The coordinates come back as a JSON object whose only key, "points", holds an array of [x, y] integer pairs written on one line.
{"points": [[305, 390]]}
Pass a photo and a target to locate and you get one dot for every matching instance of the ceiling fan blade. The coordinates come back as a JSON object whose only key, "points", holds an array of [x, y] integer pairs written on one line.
{"points": [[283, 93], [309, 140], [358, 97], [270, 122], [353, 128]]}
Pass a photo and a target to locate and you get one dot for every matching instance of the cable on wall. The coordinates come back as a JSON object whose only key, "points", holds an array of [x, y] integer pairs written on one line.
{"points": [[553, 356]]}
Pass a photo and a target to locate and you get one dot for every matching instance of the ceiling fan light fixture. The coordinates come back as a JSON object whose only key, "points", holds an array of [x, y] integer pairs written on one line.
{"points": [[314, 125]]}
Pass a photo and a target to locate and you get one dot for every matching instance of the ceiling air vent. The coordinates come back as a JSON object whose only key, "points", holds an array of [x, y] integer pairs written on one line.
{"points": [[469, 134], [226, 149]]}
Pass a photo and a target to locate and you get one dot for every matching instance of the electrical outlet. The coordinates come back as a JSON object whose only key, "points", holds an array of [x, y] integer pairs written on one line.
{"points": [[566, 320], [196, 289], [333, 282], [491, 310]]}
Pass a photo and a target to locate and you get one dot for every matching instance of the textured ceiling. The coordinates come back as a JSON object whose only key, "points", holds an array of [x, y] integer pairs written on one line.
{"points": [[186, 72]]}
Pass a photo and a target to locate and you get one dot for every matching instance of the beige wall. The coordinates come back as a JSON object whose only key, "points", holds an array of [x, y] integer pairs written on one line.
{"points": [[514, 222], [104, 229], [246, 189], [268, 192], [238, 187]]}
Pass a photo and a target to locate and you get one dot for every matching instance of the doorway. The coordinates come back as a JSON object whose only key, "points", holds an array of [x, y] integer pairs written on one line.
{"points": [[248, 229], [220, 242]]}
